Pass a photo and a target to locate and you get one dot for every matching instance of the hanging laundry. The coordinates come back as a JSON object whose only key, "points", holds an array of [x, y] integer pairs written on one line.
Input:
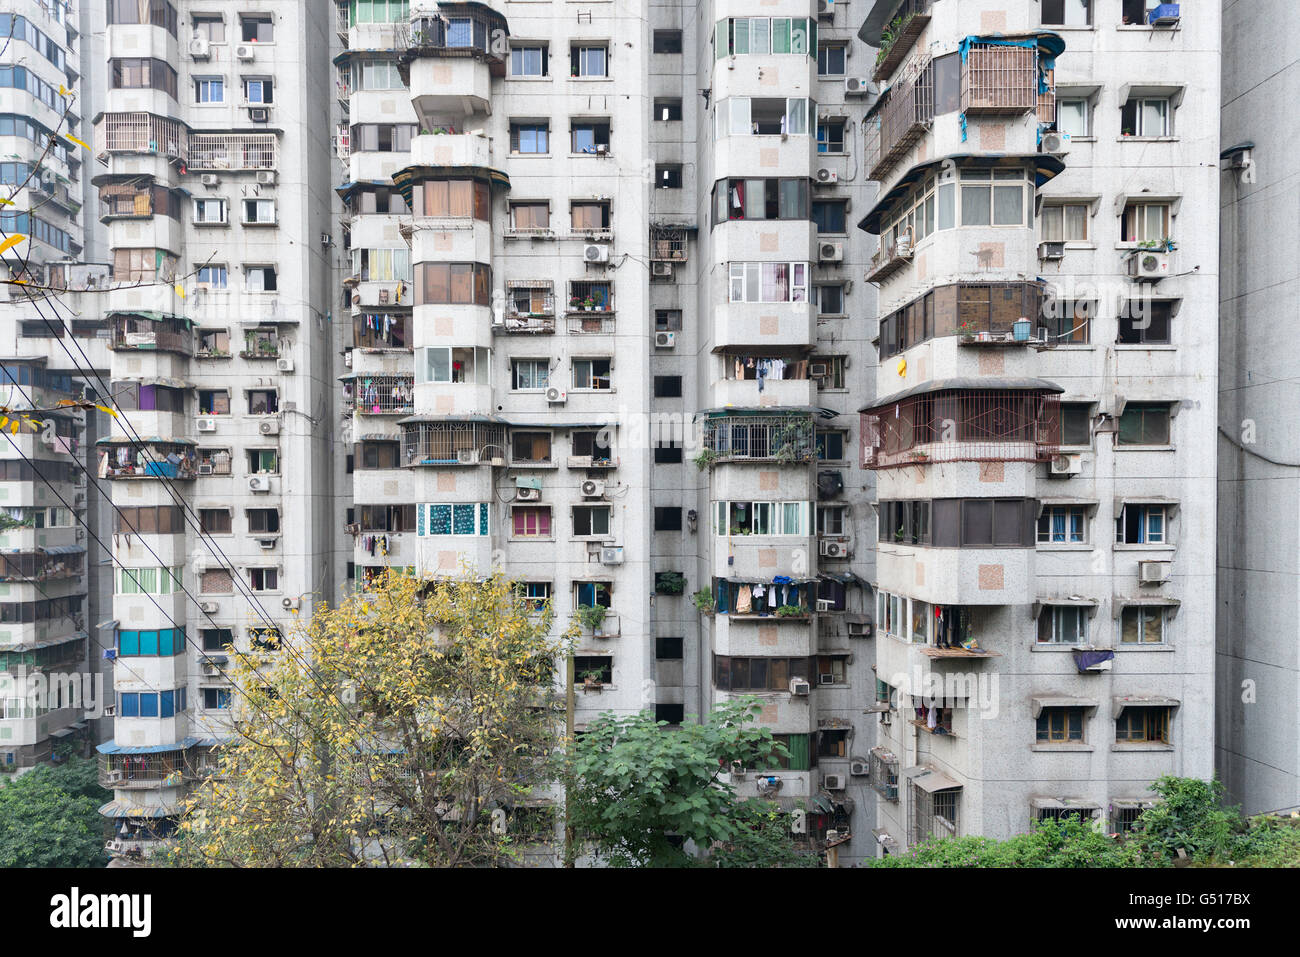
{"points": [[743, 604]]}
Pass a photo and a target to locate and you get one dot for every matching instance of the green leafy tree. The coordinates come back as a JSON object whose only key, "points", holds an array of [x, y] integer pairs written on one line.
{"points": [[635, 785], [762, 840], [49, 817]]}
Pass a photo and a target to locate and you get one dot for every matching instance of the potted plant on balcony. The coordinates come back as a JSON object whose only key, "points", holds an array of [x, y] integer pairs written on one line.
{"points": [[703, 601], [589, 304], [705, 459], [791, 611], [591, 681], [590, 617], [670, 583], [575, 303]]}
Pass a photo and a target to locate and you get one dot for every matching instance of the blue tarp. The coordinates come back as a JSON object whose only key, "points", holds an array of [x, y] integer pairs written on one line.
{"points": [[112, 747]]}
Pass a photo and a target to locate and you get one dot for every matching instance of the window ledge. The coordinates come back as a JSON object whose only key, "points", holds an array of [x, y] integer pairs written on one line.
{"points": [[1145, 28], [1153, 646], [1083, 139], [1144, 546], [1074, 27], [1146, 139], [1057, 646], [1064, 547], [1143, 448], [1149, 346], [530, 538], [1063, 746], [1140, 746], [1079, 244], [534, 465]]}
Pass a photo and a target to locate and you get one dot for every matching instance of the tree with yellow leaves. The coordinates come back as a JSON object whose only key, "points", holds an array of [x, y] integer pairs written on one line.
{"points": [[411, 725]]}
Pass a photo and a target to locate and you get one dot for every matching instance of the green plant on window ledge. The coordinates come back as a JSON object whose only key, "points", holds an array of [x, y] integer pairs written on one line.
{"points": [[705, 459], [1162, 245], [590, 617], [791, 611], [889, 36], [592, 680], [703, 600], [670, 583]]}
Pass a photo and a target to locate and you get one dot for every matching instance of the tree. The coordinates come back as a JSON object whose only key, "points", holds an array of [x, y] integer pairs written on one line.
{"points": [[426, 707], [49, 817], [638, 790]]}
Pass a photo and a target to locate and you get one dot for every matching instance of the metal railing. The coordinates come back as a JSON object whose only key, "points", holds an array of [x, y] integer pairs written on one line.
{"points": [[998, 79], [903, 118]]}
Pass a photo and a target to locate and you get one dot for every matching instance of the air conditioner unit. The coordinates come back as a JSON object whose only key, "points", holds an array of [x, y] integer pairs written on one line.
{"points": [[858, 86], [828, 548], [818, 370], [269, 427], [113, 846], [665, 340], [291, 604], [1055, 142], [826, 177], [1063, 466], [244, 51], [859, 769], [830, 252], [110, 710], [611, 555], [1153, 573], [592, 488], [527, 495], [886, 718], [859, 629], [1148, 265], [115, 776], [211, 668], [200, 48], [206, 468], [258, 114], [1051, 251], [833, 782], [661, 269], [798, 686], [467, 456], [825, 9], [284, 365], [208, 607], [267, 543], [259, 483], [556, 396], [595, 253], [210, 179], [825, 604], [266, 177], [206, 425]]}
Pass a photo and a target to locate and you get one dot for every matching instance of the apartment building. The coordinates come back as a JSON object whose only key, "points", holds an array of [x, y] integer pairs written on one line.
{"points": [[49, 574], [213, 169], [1258, 756], [1043, 427]]}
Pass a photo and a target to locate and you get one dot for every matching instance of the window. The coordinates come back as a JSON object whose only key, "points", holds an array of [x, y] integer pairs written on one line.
{"points": [[263, 402], [1144, 322], [216, 639], [210, 212], [530, 374], [535, 594], [167, 642], [761, 116], [256, 29], [263, 461], [667, 109], [830, 446], [148, 581], [1140, 525], [209, 89], [588, 62], [137, 73], [833, 670], [589, 520], [830, 216], [260, 279], [830, 136], [831, 59], [668, 41], [768, 282], [600, 667], [214, 277], [1135, 11], [382, 137], [531, 521], [760, 199], [212, 29], [1067, 222], [263, 521], [443, 283], [592, 594], [668, 454], [1143, 725], [1060, 726], [533, 448], [761, 518], [592, 374], [1067, 13], [1144, 424], [834, 374], [215, 521], [1076, 424], [829, 299], [259, 90], [668, 176], [765, 36], [1142, 116], [214, 402], [992, 522], [215, 699], [668, 387], [1063, 625], [530, 137], [668, 519], [529, 61], [1068, 321], [589, 137], [259, 212], [992, 197], [832, 519], [1063, 524], [1074, 115], [530, 215], [668, 320], [1142, 625], [263, 579], [589, 216], [591, 444], [757, 674], [1145, 223], [668, 649]]}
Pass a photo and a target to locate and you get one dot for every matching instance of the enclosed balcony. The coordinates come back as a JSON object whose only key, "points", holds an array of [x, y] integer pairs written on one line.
{"points": [[149, 770], [757, 435], [379, 394], [893, 26], [140, 133], [154, 458], [530, 307], [1005, 76], [900, 117], [451, 57], [427, 440], [152, 331], [963, 420]]}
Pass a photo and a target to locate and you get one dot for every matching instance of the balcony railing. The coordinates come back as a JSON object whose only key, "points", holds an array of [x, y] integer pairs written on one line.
{"points": [[124, 460], [152, 332], [523, 323], [787, 439], [381, 395], [165, 769], [900, 34], [233, 151], [902, 117], [140, 133], [452, 443], [892, 256], [457, 30], [999, 79]]}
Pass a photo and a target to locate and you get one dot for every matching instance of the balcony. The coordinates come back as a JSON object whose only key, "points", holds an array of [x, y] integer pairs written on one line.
{"points": [[896, 38], [998, 79], [232, 151], [892, 256], [903, 114], [379, 395], [122, 459], [151, 331], [739, 436], [153, 770], [140, 133], [443, 443]]}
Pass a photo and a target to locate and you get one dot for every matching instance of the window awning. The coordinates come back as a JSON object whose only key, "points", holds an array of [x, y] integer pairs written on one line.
{"points": [[153, 440], [1078, 601], [1120, 702], [64, 550], [930, 780], [982, 383], [1039, 702], [1063, 804], [530, 284], [845, 578], [127, 809], [451, 420], [112, 747], [1118, 604], [1165, 500], [772, 410]]}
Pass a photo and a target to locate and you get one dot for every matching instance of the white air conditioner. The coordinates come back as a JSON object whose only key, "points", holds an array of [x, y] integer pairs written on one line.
{"points": [[113, 846], [208, 607], [1148, 265], [833, 782], [858, 86], [1063, 466], [611, 555], [110, 710], [259, 483], [859, 769], [210, 179], [206, 425], [830, 252], [1051, 251], [206, 468], [467, 456], [1055, 142], [818, 370], [211, 668], [661, 269], [592, 488], [527, 495], [886, 718], [798, 686], [269, 427], [556, 396], [595, 253], [258, 114], [826, 679], [827, 177], [825, 9], [267, 543], [116, 776], [266, 177], [291, 604], [665, 340], [828, 548], [244, 51], [1153, 573], [284, 364], [200, 48]]}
